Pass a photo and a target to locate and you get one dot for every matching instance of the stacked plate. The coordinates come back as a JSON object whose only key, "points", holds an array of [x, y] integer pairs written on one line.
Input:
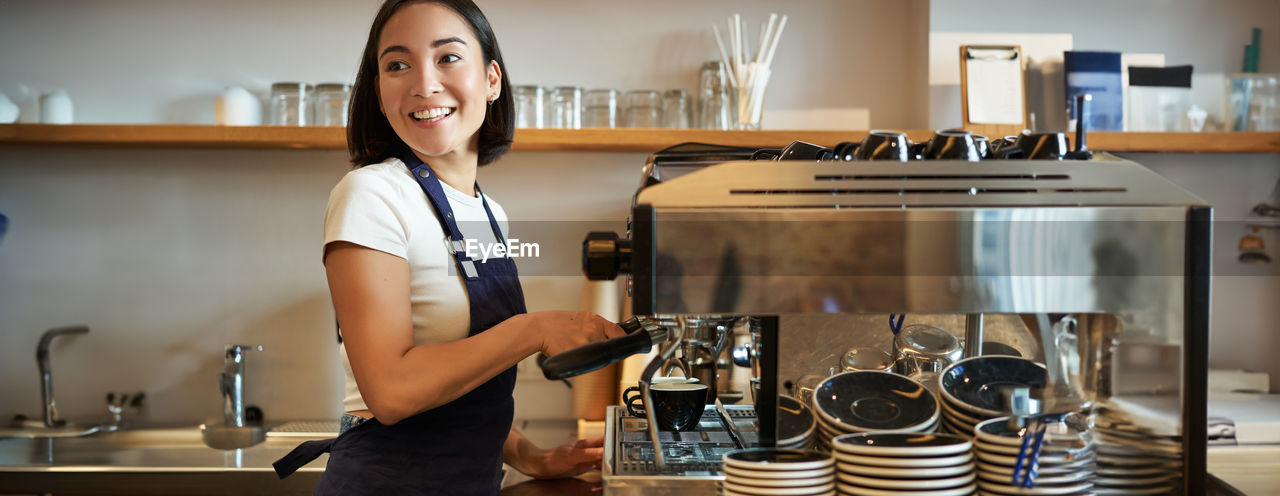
{"points": [[891, 464], [796, 424], [777, 472], [872, 401], [974, 389], [1065, 465], [1133, 459]]}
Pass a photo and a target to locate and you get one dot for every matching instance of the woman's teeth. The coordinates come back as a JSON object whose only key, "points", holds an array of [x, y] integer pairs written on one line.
{"points": [[434, 114]]}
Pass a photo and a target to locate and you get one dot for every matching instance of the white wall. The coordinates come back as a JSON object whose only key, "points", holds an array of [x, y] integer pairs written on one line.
{"points": [[170, 254], [146, 61]]}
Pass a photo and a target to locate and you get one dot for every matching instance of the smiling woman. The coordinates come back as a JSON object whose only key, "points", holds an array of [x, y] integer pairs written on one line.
{"points": [[431, 335]]}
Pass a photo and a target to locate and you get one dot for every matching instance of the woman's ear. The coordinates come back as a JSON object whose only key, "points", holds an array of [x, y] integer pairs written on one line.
{"points": [[494, 74], [377, 93]]}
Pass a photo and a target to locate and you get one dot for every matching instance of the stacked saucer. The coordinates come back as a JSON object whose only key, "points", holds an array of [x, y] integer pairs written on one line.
{"points": [[796, 424], [1135, 460], [974, 389], [872, 401], [1065, 465], [889, 464], [777, 472]]}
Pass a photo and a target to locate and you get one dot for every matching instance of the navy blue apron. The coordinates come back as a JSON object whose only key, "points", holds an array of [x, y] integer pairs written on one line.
{"points": [[451, 449]]}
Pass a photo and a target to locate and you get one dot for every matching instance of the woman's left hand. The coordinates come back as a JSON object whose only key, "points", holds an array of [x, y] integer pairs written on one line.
{"points": [[570, 459]]}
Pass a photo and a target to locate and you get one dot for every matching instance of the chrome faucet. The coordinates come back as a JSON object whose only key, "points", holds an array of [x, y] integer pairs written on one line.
{"points": [[51, 417], [231, 384]]}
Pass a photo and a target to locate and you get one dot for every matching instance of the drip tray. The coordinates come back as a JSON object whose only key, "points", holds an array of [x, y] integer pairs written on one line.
{"points": [[687, 454]]}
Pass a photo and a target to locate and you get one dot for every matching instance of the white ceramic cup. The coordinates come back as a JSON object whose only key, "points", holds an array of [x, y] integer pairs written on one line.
{"points": [[237, 107], [8, 110], [55, 108]]}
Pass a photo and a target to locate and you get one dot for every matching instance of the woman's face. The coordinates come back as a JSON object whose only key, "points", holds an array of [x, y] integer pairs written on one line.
{"points": [[433, 83]]}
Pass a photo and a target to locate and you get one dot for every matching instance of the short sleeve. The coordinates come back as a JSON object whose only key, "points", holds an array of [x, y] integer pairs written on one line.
{"points": [[363, 210]]}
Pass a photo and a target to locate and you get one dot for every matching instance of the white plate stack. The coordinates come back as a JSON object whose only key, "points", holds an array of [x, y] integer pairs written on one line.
{"points": [[892, 464], [777, 472], [872, 401], [1133, 460], [1066, 462]]}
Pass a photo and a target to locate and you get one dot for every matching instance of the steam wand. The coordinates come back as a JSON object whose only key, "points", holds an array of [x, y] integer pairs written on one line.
{"points": [[667, 349], [1082, 109]]}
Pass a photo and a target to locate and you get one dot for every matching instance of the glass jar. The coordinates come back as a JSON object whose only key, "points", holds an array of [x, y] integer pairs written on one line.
{"points": [[716, 106], [675, 109], [601, 108], [331, 104], [644, 109], [289, 104], [529, 106], [566, 107]]}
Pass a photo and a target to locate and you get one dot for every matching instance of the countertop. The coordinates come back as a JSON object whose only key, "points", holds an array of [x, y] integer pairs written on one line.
{"points": [[148, 461], [176, 461]]}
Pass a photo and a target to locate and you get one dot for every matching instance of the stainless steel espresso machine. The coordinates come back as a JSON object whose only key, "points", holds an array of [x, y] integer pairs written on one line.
{"points": [[803, 254]]}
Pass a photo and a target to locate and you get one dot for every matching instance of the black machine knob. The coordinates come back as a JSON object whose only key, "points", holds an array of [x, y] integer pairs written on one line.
{"points": [[605, 255]]}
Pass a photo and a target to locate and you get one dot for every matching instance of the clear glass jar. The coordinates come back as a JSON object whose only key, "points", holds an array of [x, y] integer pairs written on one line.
{"points": [[601, 108], [331, 104], [675, 109], [716, 106], [566, 107], [289, 104], [528, 106], [644, 109]]}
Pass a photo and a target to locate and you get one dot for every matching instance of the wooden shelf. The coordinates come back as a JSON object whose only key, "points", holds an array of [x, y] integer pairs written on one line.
{"points": [[605, 140]]}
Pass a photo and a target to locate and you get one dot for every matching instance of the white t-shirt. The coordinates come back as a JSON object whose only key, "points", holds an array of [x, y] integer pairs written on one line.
{"points": [[381, 206]]}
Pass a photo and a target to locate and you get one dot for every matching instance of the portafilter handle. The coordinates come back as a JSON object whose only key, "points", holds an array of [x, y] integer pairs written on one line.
{"points": [[640, 338]]}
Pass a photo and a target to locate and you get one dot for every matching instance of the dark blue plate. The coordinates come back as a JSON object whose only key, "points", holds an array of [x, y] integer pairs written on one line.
{"points": [[874, 401], [976, 383], [795, 420]]}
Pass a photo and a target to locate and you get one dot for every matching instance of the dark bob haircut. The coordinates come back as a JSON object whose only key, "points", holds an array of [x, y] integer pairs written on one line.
{"points": [[370, 138]]}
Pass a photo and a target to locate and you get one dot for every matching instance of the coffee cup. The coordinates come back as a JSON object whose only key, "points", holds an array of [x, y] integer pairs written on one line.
{"points": [[883, 145], [1043, 146], [953, 144], [677, 404]]}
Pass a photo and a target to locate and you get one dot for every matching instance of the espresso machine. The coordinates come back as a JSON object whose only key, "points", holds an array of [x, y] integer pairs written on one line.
{"points": [[804, 254]]}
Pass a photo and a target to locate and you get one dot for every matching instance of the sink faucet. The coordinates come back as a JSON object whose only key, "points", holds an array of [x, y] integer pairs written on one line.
{"points": [[51, 417], [231, 384]]}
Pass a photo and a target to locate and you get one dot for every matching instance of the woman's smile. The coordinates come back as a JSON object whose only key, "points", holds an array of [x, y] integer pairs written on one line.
{"points": [[430, 117]]}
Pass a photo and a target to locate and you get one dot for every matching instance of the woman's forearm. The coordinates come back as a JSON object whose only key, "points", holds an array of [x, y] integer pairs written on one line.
{"points": [[520, 453], [428, 376]]}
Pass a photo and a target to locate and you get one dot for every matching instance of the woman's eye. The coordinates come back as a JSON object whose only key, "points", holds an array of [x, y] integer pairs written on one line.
{"points": [[449, 58], [396, 65]]}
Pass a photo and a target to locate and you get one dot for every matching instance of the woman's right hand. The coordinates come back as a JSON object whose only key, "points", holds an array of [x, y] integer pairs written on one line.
{"points": [[562, 331]]}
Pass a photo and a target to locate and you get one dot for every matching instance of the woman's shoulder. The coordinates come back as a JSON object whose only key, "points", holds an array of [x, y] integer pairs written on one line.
{"points": [[387, 177]]}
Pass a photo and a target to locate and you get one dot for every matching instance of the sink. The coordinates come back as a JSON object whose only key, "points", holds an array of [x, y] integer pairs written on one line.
{"points": [[34, 429], [230, 438]]}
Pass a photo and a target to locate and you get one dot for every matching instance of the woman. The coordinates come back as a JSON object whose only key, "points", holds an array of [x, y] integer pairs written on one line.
{"points": [[431, 337]]}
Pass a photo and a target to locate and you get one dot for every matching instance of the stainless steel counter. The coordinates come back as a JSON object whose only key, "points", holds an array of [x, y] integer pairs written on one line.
{"points": [[148, 461], [176, 461]]}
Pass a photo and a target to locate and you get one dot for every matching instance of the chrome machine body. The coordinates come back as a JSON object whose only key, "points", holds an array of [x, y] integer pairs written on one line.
{"points": [[1119, 248]]}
